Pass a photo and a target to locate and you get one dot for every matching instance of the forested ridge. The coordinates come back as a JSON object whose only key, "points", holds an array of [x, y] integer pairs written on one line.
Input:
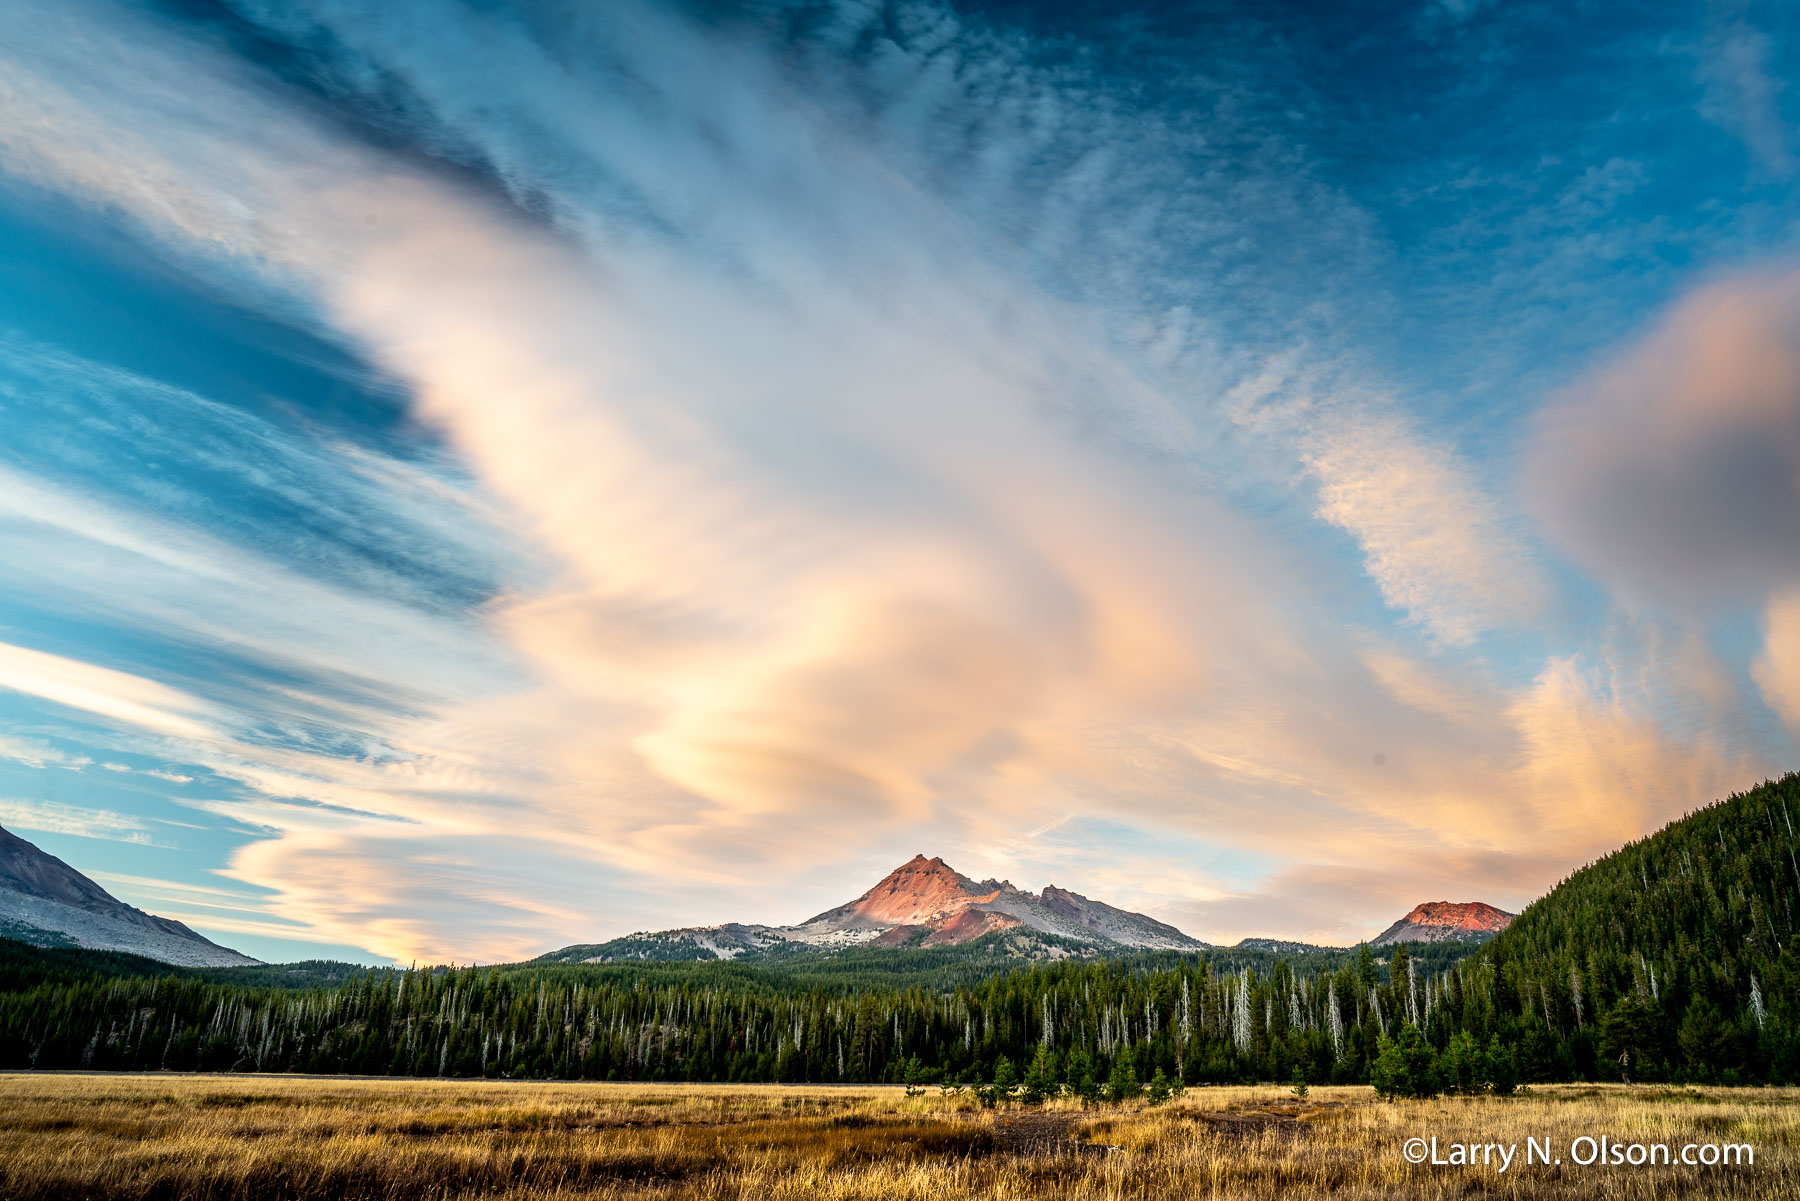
{"points": [[1669, 959]]}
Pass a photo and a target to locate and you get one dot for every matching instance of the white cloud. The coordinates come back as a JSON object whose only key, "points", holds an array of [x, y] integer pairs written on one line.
{"points": [[39, 754], [1436, 545], [53, 817], [105, 693]]}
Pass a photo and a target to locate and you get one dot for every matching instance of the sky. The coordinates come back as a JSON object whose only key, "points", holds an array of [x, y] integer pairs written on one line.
{"points": [[478, 477]]}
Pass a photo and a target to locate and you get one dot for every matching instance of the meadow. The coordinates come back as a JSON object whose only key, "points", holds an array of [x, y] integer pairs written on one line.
{"points": [[245, 1136]]}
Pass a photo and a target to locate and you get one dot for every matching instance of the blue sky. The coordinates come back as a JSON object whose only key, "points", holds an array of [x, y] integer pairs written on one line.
{"points": [[478, 477]]}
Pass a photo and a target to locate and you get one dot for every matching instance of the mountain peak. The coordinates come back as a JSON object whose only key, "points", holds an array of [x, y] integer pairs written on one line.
{"points": [[1443, 921], [920, 891], [1464, 915], [922, 903], [929, 895]]}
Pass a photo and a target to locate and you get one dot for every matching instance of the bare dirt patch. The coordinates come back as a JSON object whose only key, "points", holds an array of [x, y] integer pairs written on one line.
{"points": [[1042, 1133]]}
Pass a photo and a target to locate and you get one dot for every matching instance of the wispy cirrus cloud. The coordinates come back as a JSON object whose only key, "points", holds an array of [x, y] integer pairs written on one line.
{"points": [[33, 753], [57, 818], [103, 692], [1742, 94], [1438, 547]]}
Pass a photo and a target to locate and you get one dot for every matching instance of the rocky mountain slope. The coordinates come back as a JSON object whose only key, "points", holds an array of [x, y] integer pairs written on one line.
{"points": [[1446, 921], [922, 903], [926, 902], [46, 902]]}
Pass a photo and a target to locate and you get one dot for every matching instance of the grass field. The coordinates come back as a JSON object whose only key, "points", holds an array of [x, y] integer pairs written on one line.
{"points": [[67, 1136]]}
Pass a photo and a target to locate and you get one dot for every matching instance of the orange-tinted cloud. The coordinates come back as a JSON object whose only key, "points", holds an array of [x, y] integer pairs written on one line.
{"points": [[1777, 670], [1674, 471]]}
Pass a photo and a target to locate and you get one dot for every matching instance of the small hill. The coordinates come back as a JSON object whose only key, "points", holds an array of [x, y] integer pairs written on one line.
{"points": [[47, 903], [1446, 921]]}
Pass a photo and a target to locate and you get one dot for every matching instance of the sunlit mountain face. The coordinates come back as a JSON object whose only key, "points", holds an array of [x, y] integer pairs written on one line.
{"points": [[476, 478]]}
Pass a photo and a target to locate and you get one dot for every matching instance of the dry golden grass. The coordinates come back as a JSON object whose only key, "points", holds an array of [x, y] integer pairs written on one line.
{"points": [[202, 1137]]}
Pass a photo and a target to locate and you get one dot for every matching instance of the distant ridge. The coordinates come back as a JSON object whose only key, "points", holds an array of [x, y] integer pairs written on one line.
{"points": [[1284, 946], [45, 902]]}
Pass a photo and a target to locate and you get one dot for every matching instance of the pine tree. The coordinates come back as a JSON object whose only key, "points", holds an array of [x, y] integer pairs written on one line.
{"points": [[1081, 1078], [1460, 1069], [1005, 1081], [1365, 966], [1040, 1077], [1703, 1038], [1628, 1032], [1499, 1069], [1405, 1067], [1123, 1084]]}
